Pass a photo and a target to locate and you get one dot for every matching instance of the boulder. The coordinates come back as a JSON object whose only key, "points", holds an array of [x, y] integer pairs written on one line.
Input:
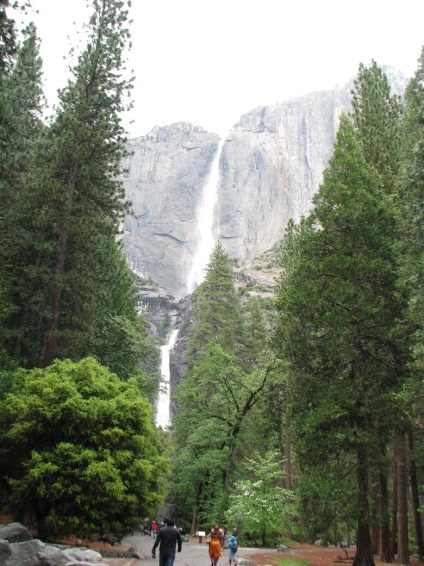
{"points": [[283, 548], [14, 532]]}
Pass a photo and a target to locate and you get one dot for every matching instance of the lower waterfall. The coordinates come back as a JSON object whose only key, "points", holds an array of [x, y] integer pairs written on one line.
{"points": [[164, 397]]}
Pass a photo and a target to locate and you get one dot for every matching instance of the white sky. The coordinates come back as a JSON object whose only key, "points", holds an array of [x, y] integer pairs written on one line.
{"points": [[210, 61]]}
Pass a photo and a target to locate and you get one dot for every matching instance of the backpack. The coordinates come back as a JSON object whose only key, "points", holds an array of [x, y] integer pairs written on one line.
{"points": [[234, 548]]}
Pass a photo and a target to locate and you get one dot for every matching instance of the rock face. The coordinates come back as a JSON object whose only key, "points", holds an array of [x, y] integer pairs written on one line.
{"points": [[271, 166]]}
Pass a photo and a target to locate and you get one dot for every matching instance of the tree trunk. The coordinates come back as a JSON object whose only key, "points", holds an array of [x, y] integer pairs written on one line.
{"points": [[394, 506], [415, 498], [403, 545], [288, 452], [51, 335], [195, 521], [375, 530], [386, 549], [364, 554]]}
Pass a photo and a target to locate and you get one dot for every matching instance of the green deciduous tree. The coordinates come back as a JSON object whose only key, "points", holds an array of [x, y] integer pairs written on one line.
{"points": [[259, 503], [79, 450]]}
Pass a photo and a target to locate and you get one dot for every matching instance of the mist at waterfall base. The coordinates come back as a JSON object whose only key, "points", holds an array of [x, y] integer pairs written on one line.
{"points": [[205, 217]]}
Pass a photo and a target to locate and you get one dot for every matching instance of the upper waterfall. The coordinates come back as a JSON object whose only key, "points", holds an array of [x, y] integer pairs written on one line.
{"points": [[205, 220]]}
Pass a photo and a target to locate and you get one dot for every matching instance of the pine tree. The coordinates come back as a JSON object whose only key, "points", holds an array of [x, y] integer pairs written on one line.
{"points": [[76, 203], [410, 244], [377, 118], [216, 310], [87, 149], [217, 395]]}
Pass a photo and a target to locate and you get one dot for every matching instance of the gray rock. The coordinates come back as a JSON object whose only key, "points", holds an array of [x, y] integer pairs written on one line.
{"points": [[5, 551], [22, 554], [50, 555], [74, 554], [283, 548], [14, 532]]}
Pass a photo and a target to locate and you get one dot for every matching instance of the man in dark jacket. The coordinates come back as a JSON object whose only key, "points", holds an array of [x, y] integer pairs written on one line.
{"points": [[168, 537]]}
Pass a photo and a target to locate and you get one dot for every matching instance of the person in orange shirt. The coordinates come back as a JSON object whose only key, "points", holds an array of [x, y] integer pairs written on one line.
{"points": [[215, 545]]}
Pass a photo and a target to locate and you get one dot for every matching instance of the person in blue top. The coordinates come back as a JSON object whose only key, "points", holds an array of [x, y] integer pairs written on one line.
{"points": [[232, 548]]}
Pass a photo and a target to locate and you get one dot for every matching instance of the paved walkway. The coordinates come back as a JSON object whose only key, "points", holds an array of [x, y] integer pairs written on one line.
{"points": [[193, 553]]}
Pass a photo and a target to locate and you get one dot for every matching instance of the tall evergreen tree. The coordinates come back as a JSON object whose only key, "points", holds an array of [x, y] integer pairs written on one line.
{"points": [[216, 309], [377, 118], [87, 149], [22, 96], [410, 243], [337, 305], [77, 203], [411, 200]]}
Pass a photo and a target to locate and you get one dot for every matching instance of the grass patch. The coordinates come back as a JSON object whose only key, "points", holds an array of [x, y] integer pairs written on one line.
{"points": [[284, 560]]}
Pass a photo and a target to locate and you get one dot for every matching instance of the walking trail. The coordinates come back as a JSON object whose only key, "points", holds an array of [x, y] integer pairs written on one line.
{"points": [[193, 553]]}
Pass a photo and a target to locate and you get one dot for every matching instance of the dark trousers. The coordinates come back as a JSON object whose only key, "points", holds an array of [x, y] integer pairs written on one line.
{"points": [[166, 558]]}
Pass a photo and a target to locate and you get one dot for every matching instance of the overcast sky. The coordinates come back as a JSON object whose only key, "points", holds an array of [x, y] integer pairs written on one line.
{"points": [[210, 61]]}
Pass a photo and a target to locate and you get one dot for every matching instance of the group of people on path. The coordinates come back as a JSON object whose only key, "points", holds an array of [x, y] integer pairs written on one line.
{"points": [[168, 538]]}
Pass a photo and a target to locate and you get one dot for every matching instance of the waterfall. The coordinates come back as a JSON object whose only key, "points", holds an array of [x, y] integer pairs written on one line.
{"points": [[164, 397], [205, 217]]}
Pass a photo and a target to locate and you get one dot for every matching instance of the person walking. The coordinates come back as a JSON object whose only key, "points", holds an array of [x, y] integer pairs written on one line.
{"points": [[167, 539], [215, 545], [232, 548]]}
